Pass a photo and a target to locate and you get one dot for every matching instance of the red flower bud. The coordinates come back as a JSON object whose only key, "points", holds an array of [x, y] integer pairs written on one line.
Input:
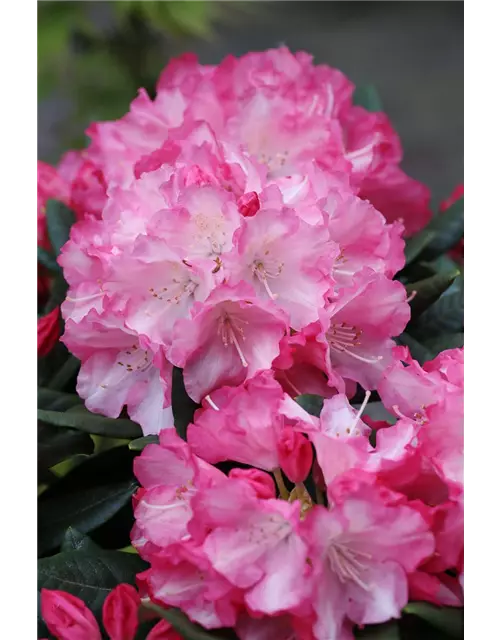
{"points": [[249, 204], [120, 612], [163, 631], [295, 454], [67, 617], [260, 481], [48, 331]]}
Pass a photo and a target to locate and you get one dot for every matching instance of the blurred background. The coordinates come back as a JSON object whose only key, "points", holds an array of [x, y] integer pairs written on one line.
{"points": [[93, 56]]}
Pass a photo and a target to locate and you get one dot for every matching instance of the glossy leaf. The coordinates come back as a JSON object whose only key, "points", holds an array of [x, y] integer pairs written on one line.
{"points": [[427, 291], [416, 244], [140, 443], [450, 620], [386, 631], [83, 420], [75, 541], [47, 259], [55, 445], [448, 228], [85, 510], [56, 400], [59, 222], [445, 316], [68, 370]]}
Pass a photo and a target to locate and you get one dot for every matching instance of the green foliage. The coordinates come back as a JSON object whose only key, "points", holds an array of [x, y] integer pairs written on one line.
{"points": [[189, 630], [183, 407], [368, 97], [310, 403]]}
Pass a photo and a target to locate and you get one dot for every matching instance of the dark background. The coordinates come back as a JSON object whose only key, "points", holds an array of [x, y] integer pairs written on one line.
{"points": [[412, 52]]}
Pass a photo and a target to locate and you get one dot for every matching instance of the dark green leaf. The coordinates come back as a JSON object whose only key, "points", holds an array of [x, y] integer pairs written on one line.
{"points": [[56, 400], [140, 443], [85, 510], [443, 342], [416, 244], [75, 541], [58, 291], [183, 407], [386, 631], [418, 351], [367, 96], [311, 403], [429, 290], [187, 629], [48, 260], [66, 372], [114, 465], [80, 418], [445, 316], [448, 228], [59, 221], [90, 576], [447, 619], [55, 445]]}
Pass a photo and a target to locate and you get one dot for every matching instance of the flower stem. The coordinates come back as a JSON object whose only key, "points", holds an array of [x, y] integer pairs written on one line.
{"points": [[278, 476]]}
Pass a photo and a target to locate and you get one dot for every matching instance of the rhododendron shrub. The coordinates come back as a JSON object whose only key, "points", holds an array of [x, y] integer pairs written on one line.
{"points": [[250, 343]]}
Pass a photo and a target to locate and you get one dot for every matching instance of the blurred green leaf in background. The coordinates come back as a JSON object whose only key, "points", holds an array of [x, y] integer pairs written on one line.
{"points": [[94, 56]]}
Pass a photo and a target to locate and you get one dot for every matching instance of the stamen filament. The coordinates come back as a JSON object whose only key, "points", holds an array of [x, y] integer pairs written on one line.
{"points": [[211, 403], [234, 340]]}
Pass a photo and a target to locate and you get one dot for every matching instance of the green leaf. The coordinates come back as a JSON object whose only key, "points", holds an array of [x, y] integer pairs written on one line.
{"points": [[59, 222], [183, 407], [85, 510], [140, 443], [367, 96], [429, 290], [114, 465], [83, 420], [56, 445], [88, 575], [67, 371], [447, 619], [418, 351], [48, 260], [187, 629], [448, 228], [416, 244], [75, 541], [56, 400], [387, 631], [311, 403], [443, 342], [445, 316]]}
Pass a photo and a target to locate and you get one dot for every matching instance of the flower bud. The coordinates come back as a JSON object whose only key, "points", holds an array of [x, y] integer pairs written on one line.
{"points": [[260, 481], [120, 612], [295, 454], [67, 617], [49, 331], [249, 204], [163, 631]]}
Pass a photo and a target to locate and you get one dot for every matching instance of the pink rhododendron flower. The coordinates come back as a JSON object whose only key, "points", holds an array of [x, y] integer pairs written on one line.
{"points": [[229, 338], [359, 326], [254, 545], [67, 617], [362, 550]]}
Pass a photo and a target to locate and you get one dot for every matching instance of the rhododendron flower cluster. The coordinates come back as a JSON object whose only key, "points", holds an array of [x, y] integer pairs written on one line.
{"points": [[380, 523], [233, 227], [246, 227]]}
